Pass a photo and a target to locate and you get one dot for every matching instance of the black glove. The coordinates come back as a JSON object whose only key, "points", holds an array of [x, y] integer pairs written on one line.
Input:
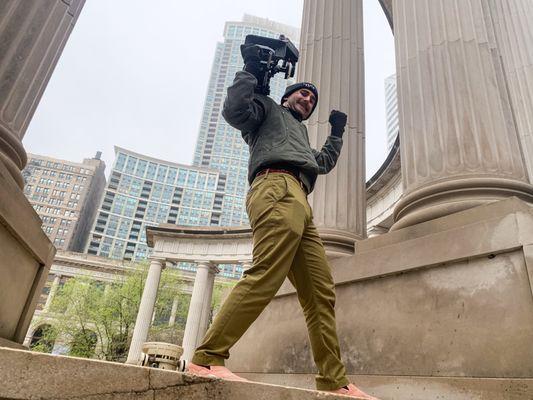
{"points": [[337, 119], [252, 62]]}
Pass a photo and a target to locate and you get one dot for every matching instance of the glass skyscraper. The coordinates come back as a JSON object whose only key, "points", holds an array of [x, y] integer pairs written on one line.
{"points": [[219, 146], [144, 191]]}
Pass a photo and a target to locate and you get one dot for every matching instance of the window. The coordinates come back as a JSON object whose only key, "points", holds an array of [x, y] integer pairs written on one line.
{"points": [[181, 177], [200, 184], [171, 177], [150, 174], [112, 225], [191, 180], [123, 228], [161, 173], [141, 168], [151, 212], [166, 197], [131, 205], [211, 182], [156, 191], [121, 161], [130, 165], [118, 249]]}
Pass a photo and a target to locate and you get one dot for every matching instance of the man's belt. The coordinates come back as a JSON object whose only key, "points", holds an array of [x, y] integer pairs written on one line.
{"points": [[291, 172], [279, 170]]}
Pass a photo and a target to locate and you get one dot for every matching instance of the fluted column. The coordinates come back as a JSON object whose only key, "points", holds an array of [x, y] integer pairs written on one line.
{"points": [[206, 311], [459, 139], [173, 312], [146, 310], [196, 309], [514, 36], [52, 293], [331, 57], [33, 34]]}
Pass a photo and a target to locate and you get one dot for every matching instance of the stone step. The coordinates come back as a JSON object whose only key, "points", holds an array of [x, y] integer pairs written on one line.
{"points": [[31, 375], [405, 387]]}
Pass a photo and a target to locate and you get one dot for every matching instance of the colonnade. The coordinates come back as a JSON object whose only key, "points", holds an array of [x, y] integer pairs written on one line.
{"points": [[199, 314]]}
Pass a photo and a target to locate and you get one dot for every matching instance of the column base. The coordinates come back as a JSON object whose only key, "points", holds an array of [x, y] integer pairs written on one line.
{"points": [[338, 243], [13, 155], [445, 198]]}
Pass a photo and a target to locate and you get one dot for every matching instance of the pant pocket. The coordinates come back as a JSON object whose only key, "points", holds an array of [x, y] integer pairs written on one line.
{"points": [[261, 201]]}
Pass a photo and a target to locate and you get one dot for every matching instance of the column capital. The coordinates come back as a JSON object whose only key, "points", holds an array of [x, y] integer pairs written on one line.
{"points": [[246, 263], [160, 260], [211, 266]]}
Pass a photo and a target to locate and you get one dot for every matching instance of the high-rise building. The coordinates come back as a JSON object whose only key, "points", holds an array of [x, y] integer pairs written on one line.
{"points": [[391, 110], [145, 191], [66, 195], [219, 146]]}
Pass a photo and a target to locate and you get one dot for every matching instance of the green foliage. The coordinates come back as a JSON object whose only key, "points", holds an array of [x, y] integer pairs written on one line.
{"points": [[97, 320], [43, 339], [220, 292]]}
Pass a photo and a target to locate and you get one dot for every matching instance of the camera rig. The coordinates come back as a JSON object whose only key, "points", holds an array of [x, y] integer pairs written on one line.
{"points": [[275, 55]]}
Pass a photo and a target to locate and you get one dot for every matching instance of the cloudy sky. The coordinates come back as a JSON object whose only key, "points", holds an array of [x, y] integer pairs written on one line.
{"points": [[134, 73]]}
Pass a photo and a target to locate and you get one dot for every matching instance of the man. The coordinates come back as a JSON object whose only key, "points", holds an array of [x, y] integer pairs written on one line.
{"points": [[282, 171]]}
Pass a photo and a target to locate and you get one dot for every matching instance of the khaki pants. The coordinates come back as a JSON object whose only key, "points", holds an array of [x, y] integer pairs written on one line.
{"points": [[286, 244]]}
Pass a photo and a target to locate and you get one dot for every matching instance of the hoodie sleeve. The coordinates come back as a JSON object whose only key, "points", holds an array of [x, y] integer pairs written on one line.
{"points": [[243, 109], [327, 157]]}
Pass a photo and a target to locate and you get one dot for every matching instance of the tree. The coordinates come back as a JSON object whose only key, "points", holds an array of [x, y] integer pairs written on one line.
{"points": [[43, 339], [86, 312], [220, 292]]}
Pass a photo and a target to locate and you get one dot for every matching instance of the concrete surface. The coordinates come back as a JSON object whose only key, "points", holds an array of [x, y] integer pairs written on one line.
{"points": [[30, 375]]}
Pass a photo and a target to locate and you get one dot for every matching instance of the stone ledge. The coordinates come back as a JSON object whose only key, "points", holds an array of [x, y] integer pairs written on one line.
{"points": [[394, 387], [30, 375], [482, 231]]}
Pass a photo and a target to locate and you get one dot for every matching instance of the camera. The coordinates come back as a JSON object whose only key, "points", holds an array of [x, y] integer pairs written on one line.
{"points": [[271, 56]]}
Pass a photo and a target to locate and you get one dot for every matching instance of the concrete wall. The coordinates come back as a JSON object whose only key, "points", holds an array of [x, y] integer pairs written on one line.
{"points": [[447, 298]]}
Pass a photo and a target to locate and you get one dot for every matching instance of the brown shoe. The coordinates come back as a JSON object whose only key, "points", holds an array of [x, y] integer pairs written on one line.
{"points": [[353, 391], [214, 371]]}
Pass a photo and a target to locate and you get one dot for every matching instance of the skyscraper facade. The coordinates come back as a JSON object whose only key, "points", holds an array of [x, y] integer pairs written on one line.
{"points": [[219, 146], [65, 194], [145, 191], [391, 110]]}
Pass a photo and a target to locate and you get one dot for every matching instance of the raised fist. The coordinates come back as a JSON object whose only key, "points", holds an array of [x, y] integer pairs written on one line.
{"points": [[337, 119]]}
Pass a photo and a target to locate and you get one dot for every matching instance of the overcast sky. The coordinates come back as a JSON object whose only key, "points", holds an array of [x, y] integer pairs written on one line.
{"points": [[134, 73]]}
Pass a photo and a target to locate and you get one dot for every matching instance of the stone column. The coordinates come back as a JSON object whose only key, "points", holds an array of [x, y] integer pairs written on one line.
{"points": [[32, 37], [459, 140], [514, 36], [51, 294], [331, 57], [206, 311], [33, 34], [146, 310], [196, 309], [173, 311]]}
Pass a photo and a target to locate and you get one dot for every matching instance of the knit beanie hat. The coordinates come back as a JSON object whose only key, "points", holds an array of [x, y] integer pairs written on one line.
{"points": [[301, 85]]}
